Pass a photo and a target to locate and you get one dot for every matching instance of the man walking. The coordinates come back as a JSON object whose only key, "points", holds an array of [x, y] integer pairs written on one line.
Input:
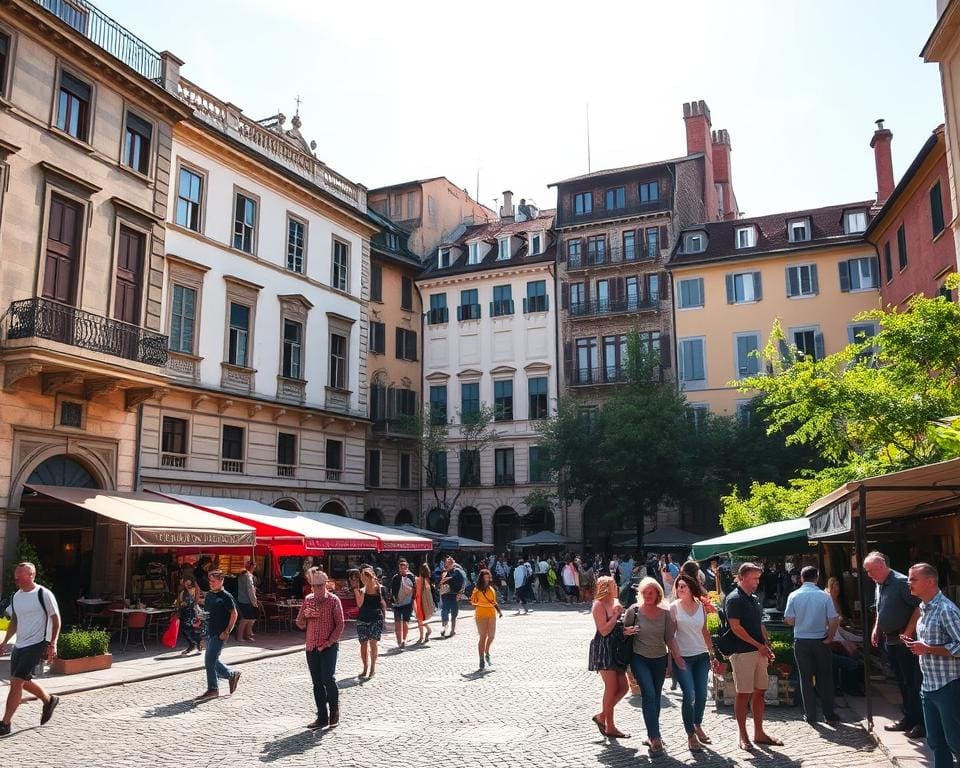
{"points": [[938, 649], [750, 656], [897, 614], [321, 615], [401, 591], [35, 619], [452, 581], [521, 584], [222, 610], [814, 619]]}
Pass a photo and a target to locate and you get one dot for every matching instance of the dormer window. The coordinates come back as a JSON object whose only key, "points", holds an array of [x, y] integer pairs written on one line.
{"points": [[746, 237], [583, 203], [443, 260], [504, 249], [854, 222], [536, 244], [393, 242], [473, 253], [649, 192], [798, 230], [694, 242], [616, 198]]}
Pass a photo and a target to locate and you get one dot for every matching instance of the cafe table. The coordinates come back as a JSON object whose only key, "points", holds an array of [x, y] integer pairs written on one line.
{"points": [[151, 614], [290, 609], [87, 607]]}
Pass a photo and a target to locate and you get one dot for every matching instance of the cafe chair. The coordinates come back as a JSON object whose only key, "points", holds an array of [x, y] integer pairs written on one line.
{"points": [[270, 615], [136, 622]]}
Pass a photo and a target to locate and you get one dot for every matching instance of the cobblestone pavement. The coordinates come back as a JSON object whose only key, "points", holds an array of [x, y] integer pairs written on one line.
{"points": [[425, 706]]}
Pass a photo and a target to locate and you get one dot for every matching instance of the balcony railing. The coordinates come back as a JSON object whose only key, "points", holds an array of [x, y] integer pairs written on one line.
{"points": [[613, 254], [504, 479], [103, 31], [613, 374], [286, 470], [437, 316], [45, 319], [599, 213], [533, 304], [501, 307], [468, 312], [173, 460], [231, 465], [333, 475], [399, 426], [598, 307]]}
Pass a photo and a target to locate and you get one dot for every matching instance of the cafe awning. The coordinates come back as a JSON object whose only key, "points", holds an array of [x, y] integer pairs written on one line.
{"points": [[389, 539], [155, 521], [752, 539], [664, 537], [456, 543], [542, 539], [279, 527]]}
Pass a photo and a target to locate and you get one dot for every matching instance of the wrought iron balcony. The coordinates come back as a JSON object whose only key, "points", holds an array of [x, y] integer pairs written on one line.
{"points": [[600, 307], [611, 374], [614, 254], [437, 316], [45, 319], [404, 427], [103, 31]]}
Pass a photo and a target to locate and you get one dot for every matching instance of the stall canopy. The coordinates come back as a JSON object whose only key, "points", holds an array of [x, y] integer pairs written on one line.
{"points": [[408, 528], [154, 521], [542, 539], [664, 537], [784, 532], [388, 539], [453, 543], [287, 533]]}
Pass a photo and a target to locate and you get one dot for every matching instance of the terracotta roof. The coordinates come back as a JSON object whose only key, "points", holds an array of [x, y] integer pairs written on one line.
{"points": [[826, 230], [625, 169]]}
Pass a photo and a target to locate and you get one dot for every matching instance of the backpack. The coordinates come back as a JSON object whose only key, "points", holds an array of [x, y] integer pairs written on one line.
{"points": [[46, 613], [726, 641]]}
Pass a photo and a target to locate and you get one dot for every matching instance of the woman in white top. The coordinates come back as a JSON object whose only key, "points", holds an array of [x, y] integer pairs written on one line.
{"points": [[696, 648]]}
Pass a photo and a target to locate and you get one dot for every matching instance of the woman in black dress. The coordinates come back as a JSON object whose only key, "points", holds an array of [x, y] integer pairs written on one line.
{"points": [[369, 619], [606, 611]]}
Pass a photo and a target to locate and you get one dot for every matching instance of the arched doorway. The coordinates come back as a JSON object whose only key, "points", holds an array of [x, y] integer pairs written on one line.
{"points": [[538, 519], [289, 505], [334, 508], [470, 524], [373, 516], [506, 527], [438, 521], [404, 517]]}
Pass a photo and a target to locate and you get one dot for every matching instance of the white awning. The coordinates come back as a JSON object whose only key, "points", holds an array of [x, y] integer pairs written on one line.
{"points": [[390, 539]]}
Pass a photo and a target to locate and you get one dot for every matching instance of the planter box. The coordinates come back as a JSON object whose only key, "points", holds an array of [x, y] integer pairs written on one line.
{"points": [[78, 666]]}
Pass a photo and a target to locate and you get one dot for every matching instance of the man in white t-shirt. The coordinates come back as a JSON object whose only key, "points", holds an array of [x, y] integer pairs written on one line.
{"points": [[35, 618], [521, 583]]}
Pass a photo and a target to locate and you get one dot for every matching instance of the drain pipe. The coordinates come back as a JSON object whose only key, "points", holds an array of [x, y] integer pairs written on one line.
{"points": [[137, 446]]}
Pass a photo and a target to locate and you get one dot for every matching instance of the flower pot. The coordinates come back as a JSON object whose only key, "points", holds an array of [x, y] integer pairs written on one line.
{"points": [[77, 666]]}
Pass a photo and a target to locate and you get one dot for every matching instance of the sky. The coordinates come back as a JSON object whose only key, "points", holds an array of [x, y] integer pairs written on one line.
{"points": [[393, 91]]}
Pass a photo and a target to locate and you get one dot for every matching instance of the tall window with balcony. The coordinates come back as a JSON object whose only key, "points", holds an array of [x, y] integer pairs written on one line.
{"points": [[573, 253], [244, 222], [137, 141], [654, 293], [596, 250], [340, 278], [653, 242], [286, 454], [536, 299], [629, 245], [338, 361], [743, 288], [128, 280], [587, 362], [296, 244], [503, 400], [173, 443], [469, 308], [616, 199], [602, 290], [373, 468], [859, 274], [438, 404], [649, 192], [614, 358], [469, 402], [502, 303], [189, 199], [183, 318], [537, 389], [578, 298], [292, 367], [406, 344], [239, 336], [539, 464], [632, 286], [469, 468], [231, 448], [503, 465], [437, 469], [802, 280], [438, 314], [334, 460], [583, 203], [74, 107]]}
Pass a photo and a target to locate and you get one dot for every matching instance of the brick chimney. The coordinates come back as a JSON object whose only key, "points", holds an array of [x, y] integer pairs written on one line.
{"points": [[882, 137], [721, 148], [506, 210], [696, 118]]}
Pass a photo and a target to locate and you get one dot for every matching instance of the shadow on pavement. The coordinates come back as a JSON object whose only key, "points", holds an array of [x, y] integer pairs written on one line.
{"points": [[294, 744], [172, 710]]}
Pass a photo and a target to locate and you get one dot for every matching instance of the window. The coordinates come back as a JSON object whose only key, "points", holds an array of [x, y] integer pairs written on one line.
{"points": [[537, 389], [649, 192], [469, 468], [411, 205], [503, 400], [437, 469], [438, 404], [473, 253], [602, 292], [583, 203], [183, 316], [854, 222], [748, 363], [746, 237], [404, 470], [231, 448], [573, 253], [503, 463], [334, 460], [438, 309], [338, 361], [746, 410], [697, 414], [596, 249], [614, 358], [292, 350], [798, 230], [392, 241], [469, 308], [189, 199], [902, 247], [860, 332], [376, 282], [136, 143], [71, 414], [802, 280], [629, 245], [690, 292], [616, 198], [653, 288], [244, 222], [653, 242], [5, 50], [577, 298], [443, 258], [859, 274], [693, 242], [887, 261], [341, 265], [296, 245], [378, 338], [692, 361], [536, 300], [632, 284], [373, 468], [587, 363], [936, 209], [238, 351], [503, 249], [286, 454], [406, 344], [406, 293], [173, 437], [743, 287], [539, 466], [502, 303], [469, 402], [73, 107], [536, 244], [809, 343]]}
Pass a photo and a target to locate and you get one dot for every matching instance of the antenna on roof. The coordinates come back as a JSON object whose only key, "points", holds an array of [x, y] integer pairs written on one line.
{"points": [[588, 138]]}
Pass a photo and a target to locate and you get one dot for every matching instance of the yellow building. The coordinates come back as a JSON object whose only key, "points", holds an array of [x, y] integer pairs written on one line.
{"points": [[811, 270]]}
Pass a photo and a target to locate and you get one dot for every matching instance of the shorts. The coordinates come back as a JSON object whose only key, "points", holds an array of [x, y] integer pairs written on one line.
{"points": [[23, 661], [402, 612], [571, 590], [247, 611], [369, 630], [749, 671]]}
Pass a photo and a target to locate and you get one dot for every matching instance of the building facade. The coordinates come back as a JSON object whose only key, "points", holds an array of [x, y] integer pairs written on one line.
{"points": [[812, 271], [490, 339]]}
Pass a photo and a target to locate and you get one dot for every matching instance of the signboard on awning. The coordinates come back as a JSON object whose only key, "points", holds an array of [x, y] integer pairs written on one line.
{"points": [[835, 519], [165, 537]]}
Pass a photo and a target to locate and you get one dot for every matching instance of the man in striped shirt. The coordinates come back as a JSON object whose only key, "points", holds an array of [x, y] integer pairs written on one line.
{"points": [[938, 648], [321, 615]]}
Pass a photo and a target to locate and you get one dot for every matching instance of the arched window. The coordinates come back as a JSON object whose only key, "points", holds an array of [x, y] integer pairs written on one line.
{"points": [[373, 516], [506, 527], [63, 471], [438, 521], [334, 508], [404, 517], [471, 526]]}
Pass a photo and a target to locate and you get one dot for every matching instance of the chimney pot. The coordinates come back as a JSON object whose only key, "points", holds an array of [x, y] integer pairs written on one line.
{"points": [[506, 210], [883, 159]]}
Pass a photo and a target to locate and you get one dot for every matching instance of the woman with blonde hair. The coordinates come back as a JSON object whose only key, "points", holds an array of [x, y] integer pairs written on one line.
{"points": [[606, 611], [483, 598], [369, 620], [423, 604]]}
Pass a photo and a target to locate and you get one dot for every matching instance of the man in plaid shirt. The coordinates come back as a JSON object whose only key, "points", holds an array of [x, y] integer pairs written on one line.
{"points": [[321, 615], [938, 647]]}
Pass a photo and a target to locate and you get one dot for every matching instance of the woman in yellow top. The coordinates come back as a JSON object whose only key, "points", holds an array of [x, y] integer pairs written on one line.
{"points": [[484, 600]]}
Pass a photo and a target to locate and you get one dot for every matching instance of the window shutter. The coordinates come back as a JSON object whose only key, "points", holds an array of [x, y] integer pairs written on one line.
{"points": [[786, 278], [664, 236], [565, 295], [664, 286], [666, 351], [412, 339], [814, 282], [757, 286], [562, 255], [818, 348], [568, 360], [844, 276], [620, 289], [730, 295], [875, 270], [399, 342]]}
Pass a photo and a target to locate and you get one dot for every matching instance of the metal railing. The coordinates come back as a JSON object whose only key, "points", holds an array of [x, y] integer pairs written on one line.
{"points": [[46, 319], [596, 307], [613, 254], [103, 31], [402, 426], [611, 374]]}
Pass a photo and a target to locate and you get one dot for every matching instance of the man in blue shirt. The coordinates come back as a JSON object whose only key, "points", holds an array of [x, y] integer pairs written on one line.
{"points": [[814, 619]]}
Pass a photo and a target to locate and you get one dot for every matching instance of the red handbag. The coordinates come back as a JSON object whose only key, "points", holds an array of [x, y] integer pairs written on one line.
{"points": [[171, 633]]}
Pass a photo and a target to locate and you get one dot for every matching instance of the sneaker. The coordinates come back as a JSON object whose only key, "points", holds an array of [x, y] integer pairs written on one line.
{"points": [[234, 679], [334, 717], [207, 695], [317, 724], [47, 712], [4, 729]]}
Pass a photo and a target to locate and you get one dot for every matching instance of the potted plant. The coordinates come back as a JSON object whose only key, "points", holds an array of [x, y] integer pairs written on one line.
{"points": [[82, 650]]}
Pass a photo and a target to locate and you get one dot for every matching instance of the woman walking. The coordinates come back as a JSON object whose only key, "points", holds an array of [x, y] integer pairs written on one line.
{"points": [[247, 603], [654, 631], [191, 628], [484, 601], [606, 611], [696, 648], [369, 620], [423, 604]]}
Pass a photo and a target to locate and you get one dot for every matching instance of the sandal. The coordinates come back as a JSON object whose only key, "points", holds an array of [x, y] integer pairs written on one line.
{"points": [[599, 723], [617, 735]]}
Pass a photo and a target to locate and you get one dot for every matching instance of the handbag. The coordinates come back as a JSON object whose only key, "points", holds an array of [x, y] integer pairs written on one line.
{"points": [[169, 638], [621, 646]]}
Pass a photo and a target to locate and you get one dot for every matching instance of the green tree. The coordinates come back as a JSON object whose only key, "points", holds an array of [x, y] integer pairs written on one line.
{"points": [[25, 553]]}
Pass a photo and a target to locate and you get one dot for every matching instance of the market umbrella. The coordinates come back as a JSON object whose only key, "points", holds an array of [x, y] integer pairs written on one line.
{"points": [[542, 539]]}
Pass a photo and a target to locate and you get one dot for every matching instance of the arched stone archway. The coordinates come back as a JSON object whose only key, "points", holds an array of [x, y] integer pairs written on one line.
{"points": [[288, 504], [334, 508], [438, 521], [506, 527], [470, 524], [373, 515], [538, 519], [404, 517]]}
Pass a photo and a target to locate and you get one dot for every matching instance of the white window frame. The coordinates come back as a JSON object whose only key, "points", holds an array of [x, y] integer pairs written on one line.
{"points": [[692, 238], [813, 291], [536, 244], [792, 224], [815, 329], [746, 242], [473, 252], [860, 276], [503, 249], [443, 255], [334, 267], [849, 217], [680, 282], [752, 299]]}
